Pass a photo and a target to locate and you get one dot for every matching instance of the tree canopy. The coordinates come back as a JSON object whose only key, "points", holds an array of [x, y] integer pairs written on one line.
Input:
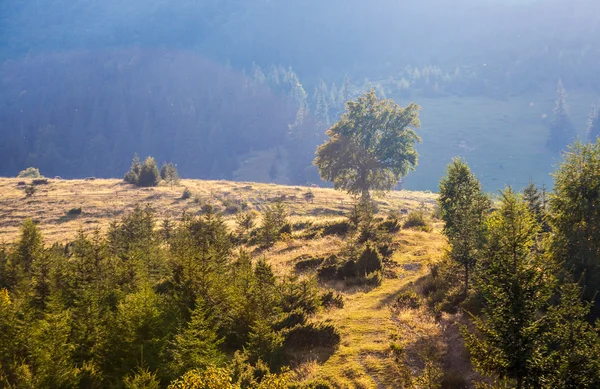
{"points": [[371, 147]]}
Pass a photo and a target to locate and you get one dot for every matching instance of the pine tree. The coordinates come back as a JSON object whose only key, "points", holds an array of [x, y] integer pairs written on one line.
{"points": [[573, 360], [463, 206], [197, 346], [575, 215], [536, 201], [593, 130], [133, 174], [29, 247], [562, 131], [169, 174], [149, 174], [516, 283]]}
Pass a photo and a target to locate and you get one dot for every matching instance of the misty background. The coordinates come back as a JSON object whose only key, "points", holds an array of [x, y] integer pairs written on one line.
{"points": [[244, 90]]}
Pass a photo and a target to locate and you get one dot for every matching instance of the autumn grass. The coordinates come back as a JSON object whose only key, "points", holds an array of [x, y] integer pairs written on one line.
{"points": [[103, 200]]}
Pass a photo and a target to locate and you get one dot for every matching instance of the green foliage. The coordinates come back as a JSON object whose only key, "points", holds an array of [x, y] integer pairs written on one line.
{"points": [[463, 206], [372, 146], [186, 194], [133, 175], [149, 174], [265, 344], [146, 174], [575, 217], [197, 346], [273, 222], [141, 379], [141, 306], [516, 282], [211, 378], [573, 356], [30, 172], [305, 336], [369, 261], [418, 220], [536, 201], [169, 174], [30, 190]]}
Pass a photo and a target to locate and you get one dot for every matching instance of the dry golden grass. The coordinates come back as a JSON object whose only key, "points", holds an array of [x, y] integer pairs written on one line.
{"points": [[366, 323], [102, 200]]}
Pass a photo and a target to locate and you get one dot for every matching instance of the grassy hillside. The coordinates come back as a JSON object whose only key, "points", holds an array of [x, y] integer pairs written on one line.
{"points": [[367, 322], [103, 200]]}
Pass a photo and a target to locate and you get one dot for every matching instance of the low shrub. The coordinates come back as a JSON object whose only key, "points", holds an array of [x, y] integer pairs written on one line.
{"points": [[310, 263], [331, 299], [327, 272], [418, 220], [291, 319], [74, 211], [30, 172], [347, 270], [30, 190], [369, 261], [454, 380], [373, 279], [40, 181], [311, 335], [187, 194], [407, 300]]}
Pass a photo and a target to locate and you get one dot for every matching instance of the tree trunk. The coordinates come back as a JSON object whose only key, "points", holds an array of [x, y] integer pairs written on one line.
{"points": [[519, 382]]}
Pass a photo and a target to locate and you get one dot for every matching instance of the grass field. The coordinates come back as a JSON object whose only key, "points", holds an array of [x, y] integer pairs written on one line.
{"points": [[366, 322]]}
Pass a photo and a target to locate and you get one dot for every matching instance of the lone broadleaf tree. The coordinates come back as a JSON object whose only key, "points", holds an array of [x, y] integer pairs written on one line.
{"points": [[372, 146]]}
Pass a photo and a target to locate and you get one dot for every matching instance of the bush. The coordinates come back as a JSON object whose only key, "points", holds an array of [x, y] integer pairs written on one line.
{"points": [[310, 336], [310, 263], [347, 270], [327, 272], [186, 194], [291, 319], [74, 211], [407, 300], [30, 190], [331, 299], [418, 220], [40, 181], [30, 172], [369, 261]]}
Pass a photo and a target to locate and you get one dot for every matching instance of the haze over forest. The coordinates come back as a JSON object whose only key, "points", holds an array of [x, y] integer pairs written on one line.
{"points": [[245, 90]]}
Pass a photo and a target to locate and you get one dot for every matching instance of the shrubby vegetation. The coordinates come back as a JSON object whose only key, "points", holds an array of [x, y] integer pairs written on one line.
{"points": [[145, 304]]}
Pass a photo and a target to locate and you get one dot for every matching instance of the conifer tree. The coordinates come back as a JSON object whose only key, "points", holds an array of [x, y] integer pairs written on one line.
{"points": [[463, 206], [29, 247], [133, 174], [149, 174], [197, 346], [573, 358], [562, 131], [516, 283], [593, 130], [575, 215]]}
